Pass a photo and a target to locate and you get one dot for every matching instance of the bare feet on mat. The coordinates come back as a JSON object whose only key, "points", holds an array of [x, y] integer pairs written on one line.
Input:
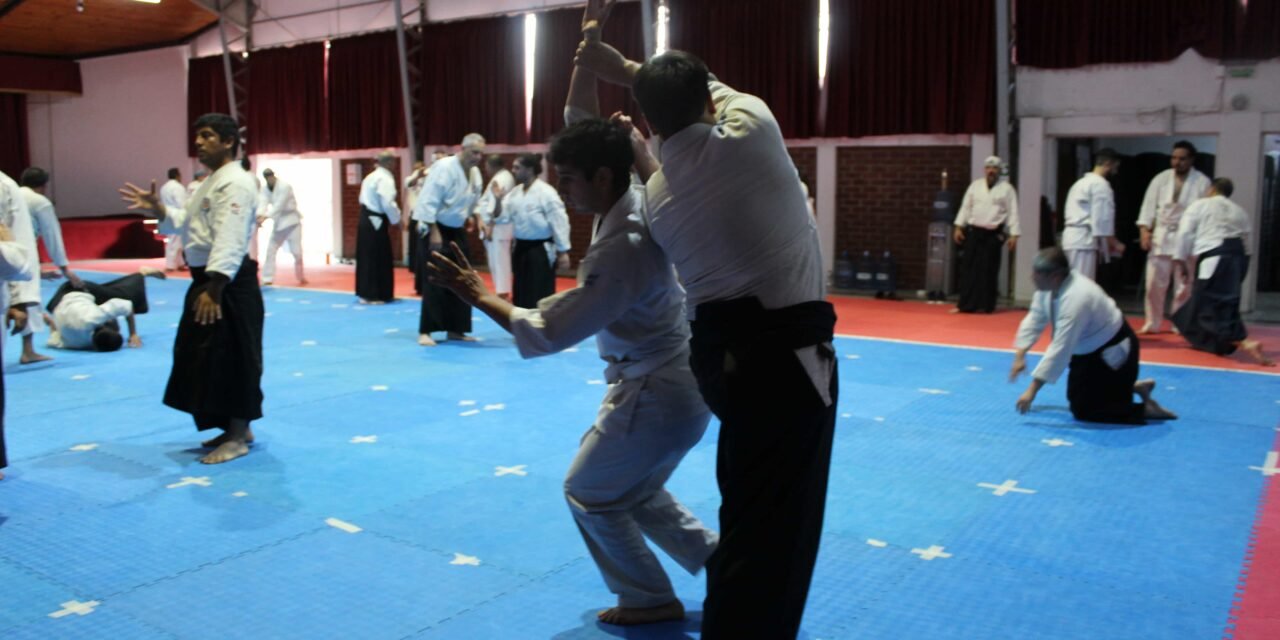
{"points": [[462, 337], [1253, 349], [152, 272], [229, 450], [363, 301], [955, 310], [626, 616], [1, 476], [304, 282], [33, 357], [425, 340], [216, 442], [1146, 330], [1143, 388], [1153, 411]]}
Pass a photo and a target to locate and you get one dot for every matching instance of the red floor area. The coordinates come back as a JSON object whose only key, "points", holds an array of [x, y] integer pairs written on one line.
{"points": [[863, 317], [1257, 613]]}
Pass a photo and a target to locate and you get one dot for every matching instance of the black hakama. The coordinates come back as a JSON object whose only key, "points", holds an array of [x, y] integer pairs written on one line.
{"points": [[132, 287], [980, 269], [1210, 320], [442, 309], [772, 417], [1099, 393], [532, 275], [217, 368], [375, 278]]}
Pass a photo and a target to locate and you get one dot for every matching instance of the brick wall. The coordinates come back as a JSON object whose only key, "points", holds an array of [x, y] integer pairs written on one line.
{"points": [[806, 159], [884, 197]]}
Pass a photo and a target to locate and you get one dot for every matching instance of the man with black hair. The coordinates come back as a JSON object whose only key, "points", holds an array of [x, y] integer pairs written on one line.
{"points": [[1213, 237], [217, 354], [281, 207], [379, 211], [496, 233], [540, 227], [1091, 337], [45, 225], [1089, 219], [651, 415], [173, 194], [86, 317], [443, 212], [727, 209], [1167, 197]]}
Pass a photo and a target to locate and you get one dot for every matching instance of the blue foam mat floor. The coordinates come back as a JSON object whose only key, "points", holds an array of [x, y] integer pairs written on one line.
{"points": [[402, 492]]}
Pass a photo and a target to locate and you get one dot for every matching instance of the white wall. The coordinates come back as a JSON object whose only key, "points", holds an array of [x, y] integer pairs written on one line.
{"points": [[312, 182], [127, 126], [1188, 96]]}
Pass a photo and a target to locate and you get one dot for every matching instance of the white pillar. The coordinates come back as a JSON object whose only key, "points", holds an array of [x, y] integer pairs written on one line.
{"points": [[825, 204], [1240, 158], [1032, 148]]}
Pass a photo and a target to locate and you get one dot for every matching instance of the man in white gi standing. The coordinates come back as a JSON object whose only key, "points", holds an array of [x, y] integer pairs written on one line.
{"points": [[286, 225], [1168, 196], [1089, 219]]}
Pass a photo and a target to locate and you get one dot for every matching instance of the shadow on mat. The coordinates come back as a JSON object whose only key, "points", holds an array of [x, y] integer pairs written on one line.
{"points": [[593, 628]]}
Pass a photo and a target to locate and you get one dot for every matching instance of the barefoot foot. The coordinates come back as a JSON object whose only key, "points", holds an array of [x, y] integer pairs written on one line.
{"points": [[424, 339], [462, 337], [1153, 411], [1144, 388], [1253, 349], [625, 616], [216, 442], [33, 357], [152, 272], [229, 450]]}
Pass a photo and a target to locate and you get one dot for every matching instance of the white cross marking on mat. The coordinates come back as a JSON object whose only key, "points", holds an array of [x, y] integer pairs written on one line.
{"points": [[391, 331], [1269, 467], [1058, 443], [878, 418], [935, 392], [495, 407], [517, 470], [459, 558], [202, 481], [239, 494], [364, 439], [853, 356], [571, 350], [932, 552], [595, 382], [973, 368], [81, 376], [297, 374], [85, 447], [75, 606], [1009, 486], [877, 543], [308, 343], [467, 414], [466, 403], [378, 387]]}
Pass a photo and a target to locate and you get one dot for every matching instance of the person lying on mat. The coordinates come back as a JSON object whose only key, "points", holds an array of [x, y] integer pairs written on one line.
{"points": [[86, 317], [1090, 336]]}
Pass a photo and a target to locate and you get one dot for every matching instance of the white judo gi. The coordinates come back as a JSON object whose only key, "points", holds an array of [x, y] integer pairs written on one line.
{"points": [[651, 415], [1161, 212]]}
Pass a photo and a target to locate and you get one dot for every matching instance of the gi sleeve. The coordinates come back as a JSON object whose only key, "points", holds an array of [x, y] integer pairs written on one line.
{"points": [[1066, 333], [1150, 202], [1013, 225], [1102, 210], [558, 218], [1033, 323], [232, 209], [431, 198], [966, 208], [51, 232], [569, 317]]}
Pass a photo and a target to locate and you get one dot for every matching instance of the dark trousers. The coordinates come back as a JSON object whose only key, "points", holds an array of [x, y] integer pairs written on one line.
{"points": [[217, 368], [375, 280], [132, 287], [442, 309], [4, 459], [772, 462], [532, 276], [1098, 393], [1210, 320], [980, 269]]}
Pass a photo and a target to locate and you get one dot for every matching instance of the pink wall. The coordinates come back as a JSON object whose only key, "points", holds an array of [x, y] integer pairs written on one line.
{"points": [[128, 125]]}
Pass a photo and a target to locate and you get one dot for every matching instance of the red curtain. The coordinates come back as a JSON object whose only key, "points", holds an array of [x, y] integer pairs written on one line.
{"points": [[365, 106], [473, 80], [893, 72], [206, 92], [287, 101], [15, 155], [558, 35], [1062, 35], [762, 47], [1259, 31], [39, 75]]}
